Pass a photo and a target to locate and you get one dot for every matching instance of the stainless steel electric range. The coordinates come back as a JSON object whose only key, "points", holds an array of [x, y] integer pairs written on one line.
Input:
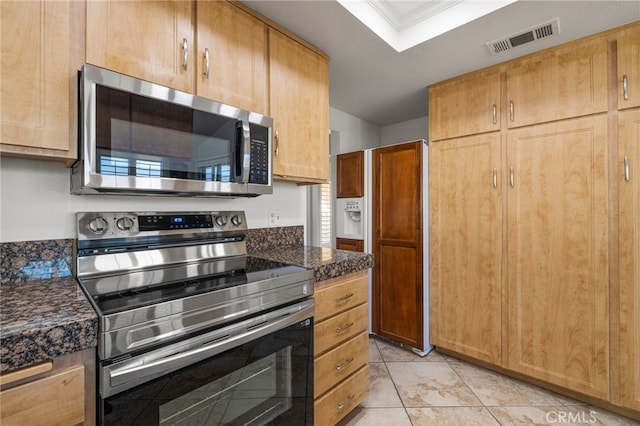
{"points": [[191, 329]]}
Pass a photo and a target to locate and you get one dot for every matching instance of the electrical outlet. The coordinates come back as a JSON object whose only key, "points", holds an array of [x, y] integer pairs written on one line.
{"points": [[274, 218]]}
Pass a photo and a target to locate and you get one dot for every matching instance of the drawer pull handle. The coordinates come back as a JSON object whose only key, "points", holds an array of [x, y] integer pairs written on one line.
{"points": [[344, 328], [344, 364], [343, 298], [346, 402]]}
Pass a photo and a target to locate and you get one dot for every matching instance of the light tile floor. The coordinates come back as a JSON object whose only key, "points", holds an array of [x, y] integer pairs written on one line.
{"points": [[407, 389]]}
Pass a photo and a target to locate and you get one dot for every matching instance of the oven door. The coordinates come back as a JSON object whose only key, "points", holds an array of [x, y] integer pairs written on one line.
{"points": [[257, 372]]}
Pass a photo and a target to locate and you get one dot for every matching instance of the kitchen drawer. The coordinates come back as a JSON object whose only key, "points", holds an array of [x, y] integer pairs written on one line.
{"points": [[53, 400], [336, 404], [336, 330], [339, 297], [337, 364]]}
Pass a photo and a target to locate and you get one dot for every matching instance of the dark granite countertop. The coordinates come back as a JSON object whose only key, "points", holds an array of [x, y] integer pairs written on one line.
{"points": [[326, 263], [44, 319], [41, 320]]}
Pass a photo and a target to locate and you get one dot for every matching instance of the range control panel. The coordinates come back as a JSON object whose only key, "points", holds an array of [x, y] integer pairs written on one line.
{"points": [[102, 225]]}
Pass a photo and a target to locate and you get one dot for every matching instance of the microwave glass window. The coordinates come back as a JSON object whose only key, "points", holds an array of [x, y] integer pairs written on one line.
{"points": [[143, 137]]}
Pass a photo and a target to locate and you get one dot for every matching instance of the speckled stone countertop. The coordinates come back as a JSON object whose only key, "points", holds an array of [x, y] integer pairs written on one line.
{"points": [[41, 320], [326, 263]]}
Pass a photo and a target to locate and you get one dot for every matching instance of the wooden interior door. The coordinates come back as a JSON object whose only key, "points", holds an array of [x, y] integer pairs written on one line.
{"points": [[629, 190], [465, 247], [557, 262], [397, 223]]}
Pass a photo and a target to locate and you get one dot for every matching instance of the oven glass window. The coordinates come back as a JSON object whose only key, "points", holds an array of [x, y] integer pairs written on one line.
{"points": [[268, 381]]}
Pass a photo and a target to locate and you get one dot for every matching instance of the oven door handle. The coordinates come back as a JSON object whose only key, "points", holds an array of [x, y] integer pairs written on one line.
{"points": [[143, 368]]}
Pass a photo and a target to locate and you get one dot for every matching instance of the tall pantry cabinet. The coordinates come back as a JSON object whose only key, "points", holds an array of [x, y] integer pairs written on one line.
{"points": [[628, 54], [520, 205]]}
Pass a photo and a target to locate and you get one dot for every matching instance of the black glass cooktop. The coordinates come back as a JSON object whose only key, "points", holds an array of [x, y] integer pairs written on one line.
{"points": [[124, 292]]}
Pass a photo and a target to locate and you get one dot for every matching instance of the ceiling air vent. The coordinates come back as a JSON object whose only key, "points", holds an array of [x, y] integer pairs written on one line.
{"points": [[541, 31]]}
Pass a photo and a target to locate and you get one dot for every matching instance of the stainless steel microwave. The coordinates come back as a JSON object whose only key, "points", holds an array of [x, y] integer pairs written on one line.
{"points": [[137, 137]]}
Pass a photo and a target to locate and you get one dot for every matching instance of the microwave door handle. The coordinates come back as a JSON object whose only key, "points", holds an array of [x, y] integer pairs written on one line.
{"points": [[243, 150]]}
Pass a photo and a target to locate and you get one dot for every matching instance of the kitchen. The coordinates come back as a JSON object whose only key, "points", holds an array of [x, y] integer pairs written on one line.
{"points": [[47, 182]]}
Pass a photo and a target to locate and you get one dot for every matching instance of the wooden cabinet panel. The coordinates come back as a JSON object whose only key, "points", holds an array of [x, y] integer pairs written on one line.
{"points": [[629, 68], [335, 405], [340, 328], [568, 82], [465, 106], [54, 400], [350, 175], [340, 363], [466, 246], [341, 296], [558, 254], [42, 44], [144, 39], [237, 49], [299, 101], [629, 251], [397, 227], [349, 244]]}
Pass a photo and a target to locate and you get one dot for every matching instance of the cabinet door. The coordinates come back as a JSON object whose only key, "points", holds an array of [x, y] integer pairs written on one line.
{"points": [[151, 40], [629, 212], [350, 175], [41, 53], [232, 56], [397, 228], [465, 211], [558, 254], [565, 83], [465, 106], [299, 94], [629, 68]]}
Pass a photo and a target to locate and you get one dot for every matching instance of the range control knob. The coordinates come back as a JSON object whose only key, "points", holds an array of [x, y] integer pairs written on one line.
{"points": [[124, 223], [98, 225], [221, 220], [236, 220]]}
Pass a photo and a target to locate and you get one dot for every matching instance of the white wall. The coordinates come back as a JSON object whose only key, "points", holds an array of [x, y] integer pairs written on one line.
{"points": [[405, 131], [35, 203], [355, 133]]}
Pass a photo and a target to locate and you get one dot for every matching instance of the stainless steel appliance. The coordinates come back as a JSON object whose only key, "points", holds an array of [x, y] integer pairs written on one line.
{"points": [[136, 137], [191, 329]]}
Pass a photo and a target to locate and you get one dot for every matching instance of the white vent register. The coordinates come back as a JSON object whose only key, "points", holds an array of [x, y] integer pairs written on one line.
{"points": [[547, 29]]}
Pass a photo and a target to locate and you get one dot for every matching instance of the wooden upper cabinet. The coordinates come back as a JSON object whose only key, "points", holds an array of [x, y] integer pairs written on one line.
{"points": [[350, 175], [557, 261], [150, 40], [629, 68], [564, 83], [42, 44], [629, 249], [299, 100], [465, 231], [465, 106], [232, 56]]}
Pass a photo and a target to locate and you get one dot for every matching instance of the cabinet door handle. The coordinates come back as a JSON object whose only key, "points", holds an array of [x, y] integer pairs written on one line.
{"points": [[511, 108], [346, 402], [626, 169], [344, 328], [495, 177], [277, 143], [625, 87], [343, 298], [206, 63], [511, 177], [495, 114], [344, 364], [185, 53]]}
